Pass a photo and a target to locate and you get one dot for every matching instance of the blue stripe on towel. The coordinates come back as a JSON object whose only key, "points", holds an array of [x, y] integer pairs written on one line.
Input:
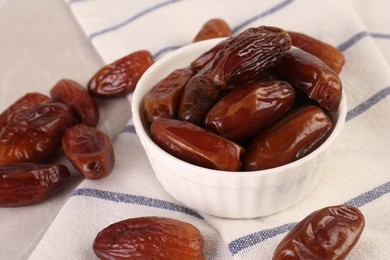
{"points": [[134, 199], [352, 40], [355, 38], [362, 107], [270, 11], [166, 49], [129, 129], [263, 14], [370, 195], [249, 240], [380, 35], [133, 18]]}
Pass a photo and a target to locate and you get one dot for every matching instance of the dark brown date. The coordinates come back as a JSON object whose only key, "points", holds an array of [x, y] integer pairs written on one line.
{"points": [[164, 98], [90, 150], [308, 73], [330, 55], [27, 101], [196, 145], [246, 110], [120, 77], [29, 183], [149, 238], [328, 233], [199, 95], [249, 54], [213, 28], [294, 136], [200, 62], [34, 134], [82, 104]]}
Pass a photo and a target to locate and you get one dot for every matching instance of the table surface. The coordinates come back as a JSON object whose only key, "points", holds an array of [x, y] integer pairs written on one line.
{"points": [[40, 44]]}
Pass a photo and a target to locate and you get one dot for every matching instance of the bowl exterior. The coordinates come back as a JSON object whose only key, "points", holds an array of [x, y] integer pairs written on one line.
{"points": [[219, 193], [237, 197]]}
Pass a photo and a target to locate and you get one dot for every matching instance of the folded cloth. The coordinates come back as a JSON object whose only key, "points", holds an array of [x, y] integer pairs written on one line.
{"points": [[357, 169]]}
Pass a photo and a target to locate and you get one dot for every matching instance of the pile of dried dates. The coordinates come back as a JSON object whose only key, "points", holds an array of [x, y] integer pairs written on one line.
{"points": [[255, 101], [37, 126]]}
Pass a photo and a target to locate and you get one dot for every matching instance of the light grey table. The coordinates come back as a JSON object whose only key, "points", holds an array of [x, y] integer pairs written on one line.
{"points": [[40, 43]]}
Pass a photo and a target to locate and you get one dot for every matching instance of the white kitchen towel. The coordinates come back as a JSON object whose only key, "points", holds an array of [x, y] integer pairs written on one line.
{"points": [[358, 165]]}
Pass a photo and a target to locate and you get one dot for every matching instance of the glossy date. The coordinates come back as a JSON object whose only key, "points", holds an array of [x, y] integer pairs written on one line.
{"points": [[25, 184], [294, 136], [247, 109], [24, 103], [120, 77], [328, 233], [330, 55], [201, 61], [308, 73], [149, 238], [196, 145], [247, 55], [34, 134], [213, 28], [164, 98], [82, 104], [90, 150]]}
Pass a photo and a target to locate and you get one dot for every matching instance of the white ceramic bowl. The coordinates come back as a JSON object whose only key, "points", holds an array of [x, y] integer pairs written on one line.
{"points": [[222, 193]]}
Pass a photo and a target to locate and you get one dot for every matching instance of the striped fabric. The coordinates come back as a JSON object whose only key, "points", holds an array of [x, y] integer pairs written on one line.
{"points": [[357, 170]]}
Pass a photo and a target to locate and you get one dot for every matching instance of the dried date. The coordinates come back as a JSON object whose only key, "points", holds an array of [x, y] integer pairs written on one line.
{"points": [[247, 109], [308, 73], [200, 62], [24, 103], [90, 150], [83, 105], [199, 95], [120, 77], [164, 98], [34, 134], [29, 183], [196, 145], [213, 28], [328, 233], [149, 238], [249, 54], [330, 55], [293, 137]]}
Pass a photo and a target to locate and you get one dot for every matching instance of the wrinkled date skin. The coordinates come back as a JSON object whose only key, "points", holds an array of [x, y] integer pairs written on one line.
{"points": [[249, 54], [328, 233], [294, 136], [213, 28], [308, 73], [83, 105], [149, 238], [120, 77], [199, 95], [330, 55], [246, 110], [163, 99], [196, 145], [29, 183], [34, 134], [24, 103], [90, 150]]}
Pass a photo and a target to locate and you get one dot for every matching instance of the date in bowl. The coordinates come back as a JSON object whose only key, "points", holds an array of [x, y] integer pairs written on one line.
{"points": [[224, 193]]}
